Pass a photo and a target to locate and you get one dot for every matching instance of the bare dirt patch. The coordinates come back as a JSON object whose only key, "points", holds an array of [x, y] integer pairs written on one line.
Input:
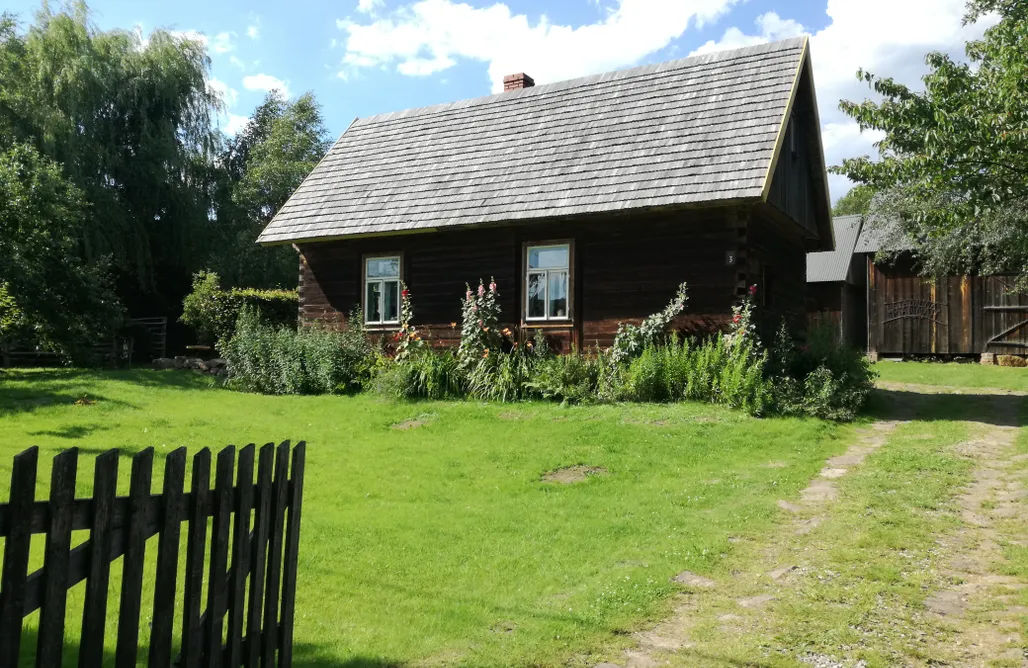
{"points": [[572, 474], [414, 423]]}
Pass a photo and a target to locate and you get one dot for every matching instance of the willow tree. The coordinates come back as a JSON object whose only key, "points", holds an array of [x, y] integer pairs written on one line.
{"points": [[128, 120], [953, 163]]}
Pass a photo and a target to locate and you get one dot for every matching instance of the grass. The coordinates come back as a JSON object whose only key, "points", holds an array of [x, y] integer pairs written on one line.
{"points": [[440, 543], [966, 375]]}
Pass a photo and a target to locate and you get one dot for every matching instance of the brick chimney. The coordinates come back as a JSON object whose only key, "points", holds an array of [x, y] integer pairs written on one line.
{"points": [[517, 81]]}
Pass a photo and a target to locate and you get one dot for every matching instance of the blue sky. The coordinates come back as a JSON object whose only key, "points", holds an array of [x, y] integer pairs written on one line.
{"points": [[362, 57]]}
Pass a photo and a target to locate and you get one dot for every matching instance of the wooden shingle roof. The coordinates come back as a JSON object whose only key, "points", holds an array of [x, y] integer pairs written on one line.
{"points": [[701, 130]]}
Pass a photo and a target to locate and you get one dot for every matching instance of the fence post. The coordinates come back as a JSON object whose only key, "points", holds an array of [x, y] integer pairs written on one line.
{"points": [[285, 654], [56, 556], [94, 613], [271, 589], [167, 560], [16, 554], [135, 551], [196, 550], [260, 554], [240, 555], [217, 582]]}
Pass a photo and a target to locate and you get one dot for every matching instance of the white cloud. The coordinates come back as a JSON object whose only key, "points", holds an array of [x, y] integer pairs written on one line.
{"points": [[223, 42], [887, 37], [253, 32], [266, 83], [234, 123], [228, 94], [430, 36], [369, 6], [235, 60], [191, 35]]}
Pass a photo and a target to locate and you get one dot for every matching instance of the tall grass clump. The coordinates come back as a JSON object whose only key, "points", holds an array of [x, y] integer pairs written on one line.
{"points": [[271, 359]]}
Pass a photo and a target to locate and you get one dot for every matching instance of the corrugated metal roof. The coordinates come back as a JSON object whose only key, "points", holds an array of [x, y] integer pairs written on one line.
{"points": [[879, 234], [703, 129], [834, 265]]}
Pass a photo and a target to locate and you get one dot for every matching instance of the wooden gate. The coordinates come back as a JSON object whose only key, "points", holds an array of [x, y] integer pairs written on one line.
{"points": [[251, 560], [955, 315]]}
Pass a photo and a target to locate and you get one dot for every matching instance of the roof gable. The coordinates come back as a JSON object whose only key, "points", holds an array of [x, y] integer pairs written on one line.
{"points": [[831, 266], [703, 130]]}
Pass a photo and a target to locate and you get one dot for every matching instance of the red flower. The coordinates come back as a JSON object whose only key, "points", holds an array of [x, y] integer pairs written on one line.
{"points": [[736, 318], [405, 292], [753, 289]]}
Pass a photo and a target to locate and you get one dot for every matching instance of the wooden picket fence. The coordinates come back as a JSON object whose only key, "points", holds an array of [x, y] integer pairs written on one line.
{"points": [[251, 560]]}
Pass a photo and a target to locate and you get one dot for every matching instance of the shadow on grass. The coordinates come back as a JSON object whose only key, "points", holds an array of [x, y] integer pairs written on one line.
{"points": [[306, 655], [1000, 410]]}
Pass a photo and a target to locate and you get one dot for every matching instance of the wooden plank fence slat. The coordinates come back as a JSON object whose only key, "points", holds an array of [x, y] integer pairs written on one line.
{"points": [[240, 555], [260, 553], [217, 582], [16, 555], [196, 550], [167, 561], [55, 560], [94, 613], [271, 588], [135, 553], [285, 656]]}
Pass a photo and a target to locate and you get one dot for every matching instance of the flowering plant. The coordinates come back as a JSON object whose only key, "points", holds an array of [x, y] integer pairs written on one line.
{"points": [[630, 339], [407, 338], [743, 327], [479, 334]]}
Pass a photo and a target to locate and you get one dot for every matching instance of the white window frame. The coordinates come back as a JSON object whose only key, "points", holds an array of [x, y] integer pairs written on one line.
{"points": [[568, 246], [366, 281]]}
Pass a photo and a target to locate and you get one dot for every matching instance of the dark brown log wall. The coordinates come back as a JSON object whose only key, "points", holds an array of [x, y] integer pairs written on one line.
{"points": [[624, 267], [793, 185]]}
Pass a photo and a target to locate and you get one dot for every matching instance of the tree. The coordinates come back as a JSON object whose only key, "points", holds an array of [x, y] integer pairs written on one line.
{"points": [[49, 295], [953, 167], [128, 120], [856, 201], [266, 162]]}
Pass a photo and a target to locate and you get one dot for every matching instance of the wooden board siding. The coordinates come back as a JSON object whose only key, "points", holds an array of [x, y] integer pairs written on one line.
{"points": [[626, 267], [955, 315], [778, 265]]}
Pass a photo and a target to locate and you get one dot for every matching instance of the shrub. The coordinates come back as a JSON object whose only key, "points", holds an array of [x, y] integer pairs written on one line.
{"points": [[213, 311], [479, 333], [424, 374], [502, 376], [824, 378], [631, 340], [278, 360], [569, 379]]}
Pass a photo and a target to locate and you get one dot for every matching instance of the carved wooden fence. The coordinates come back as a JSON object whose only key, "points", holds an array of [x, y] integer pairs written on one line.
{"points": [[250, 561]]}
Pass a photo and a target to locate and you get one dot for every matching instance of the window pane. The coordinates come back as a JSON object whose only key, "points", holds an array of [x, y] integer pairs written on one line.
{"points": [[548, 257], [383, 267], [558, 294], [371, 303], [392, 301], [537, 295]]}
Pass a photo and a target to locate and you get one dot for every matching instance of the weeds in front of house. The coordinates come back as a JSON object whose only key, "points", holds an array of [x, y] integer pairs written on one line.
{"points": [[493, 363]]}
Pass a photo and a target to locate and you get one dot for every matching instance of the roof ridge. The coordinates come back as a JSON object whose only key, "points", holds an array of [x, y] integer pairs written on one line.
{"points": [[718, 57]]}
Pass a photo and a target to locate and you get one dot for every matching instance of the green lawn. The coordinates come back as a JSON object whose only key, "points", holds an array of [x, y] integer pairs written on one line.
{"points": [[967, 375], [440, 544]]}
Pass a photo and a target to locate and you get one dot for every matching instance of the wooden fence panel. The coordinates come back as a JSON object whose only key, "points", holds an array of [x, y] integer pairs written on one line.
{"points": [[256, 591]]}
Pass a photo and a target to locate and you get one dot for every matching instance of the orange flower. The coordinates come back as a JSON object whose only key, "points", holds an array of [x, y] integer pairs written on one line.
{"points": [[453, 324], [485, 354], [485, 329]]}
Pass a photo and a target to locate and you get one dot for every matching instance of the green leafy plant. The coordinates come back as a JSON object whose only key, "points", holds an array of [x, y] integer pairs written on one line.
{"points": [[213, 311], [424, 374], [569, 379], [407, 338], [630, 339], [480, 317]]}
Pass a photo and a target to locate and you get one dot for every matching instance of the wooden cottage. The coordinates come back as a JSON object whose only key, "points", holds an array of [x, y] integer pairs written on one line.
{"points": [[907, 314], [588, 200]]}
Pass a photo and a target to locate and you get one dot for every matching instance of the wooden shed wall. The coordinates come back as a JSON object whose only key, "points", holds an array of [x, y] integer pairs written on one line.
{"points": [[625, 268], [956, 315]]}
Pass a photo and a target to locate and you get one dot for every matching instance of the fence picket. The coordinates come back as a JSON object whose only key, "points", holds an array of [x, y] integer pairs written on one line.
{"points": [[16, 554], [217, 585], [94, 614], [260, 554], [279, 488], [55, 560], [135, 552], [167, 561], [285, 655], [240, 555], [196, 550]]}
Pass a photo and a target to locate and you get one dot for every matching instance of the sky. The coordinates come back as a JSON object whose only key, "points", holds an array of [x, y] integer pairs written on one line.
{"points": [[363, 57]]}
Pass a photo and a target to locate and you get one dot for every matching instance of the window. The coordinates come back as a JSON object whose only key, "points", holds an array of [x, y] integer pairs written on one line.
{"points": [[382, 290], [548, 282]]}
